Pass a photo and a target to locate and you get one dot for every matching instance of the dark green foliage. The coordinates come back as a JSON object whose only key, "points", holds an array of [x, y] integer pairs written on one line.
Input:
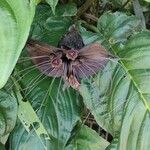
{"points": [[38, 112]]}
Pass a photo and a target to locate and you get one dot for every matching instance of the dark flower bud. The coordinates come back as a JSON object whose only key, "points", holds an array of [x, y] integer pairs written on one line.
{"points": [[72, 54]]}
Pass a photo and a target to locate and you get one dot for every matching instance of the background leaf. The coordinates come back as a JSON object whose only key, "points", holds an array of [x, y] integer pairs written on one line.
{"points": [[87, 139], [138, 72], [8, 114], [13, 33], [58, 110], [117, 27], [49, 28], [118, 93]]}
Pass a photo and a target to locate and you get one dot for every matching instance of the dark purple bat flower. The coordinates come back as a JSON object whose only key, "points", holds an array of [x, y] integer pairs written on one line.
{"points": [[71, 61]]}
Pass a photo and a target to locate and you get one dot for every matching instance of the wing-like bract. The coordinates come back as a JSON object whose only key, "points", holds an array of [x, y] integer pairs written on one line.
{"points": [[42, 55], [91, 59]]}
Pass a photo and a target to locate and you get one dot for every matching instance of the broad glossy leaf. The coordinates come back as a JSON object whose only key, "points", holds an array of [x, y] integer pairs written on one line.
{"points": [[8, 113], [117, 27], [87, 139], [138, 106], [118, 96], [28, 120], [56, 26], [28, 141], [100, 88], [16, 18], [58, 110], [49, 28], [90, 37]]}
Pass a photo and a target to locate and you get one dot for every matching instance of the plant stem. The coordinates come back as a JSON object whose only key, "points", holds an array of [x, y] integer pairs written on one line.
{"points": [[88, 26], [84, 7], [91, 17]]}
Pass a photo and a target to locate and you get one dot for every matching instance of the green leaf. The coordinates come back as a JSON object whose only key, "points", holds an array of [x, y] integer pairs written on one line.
{"points": [[56, 26], [117, 27], [8, 114], [28, 119], [118, 96], [16, 17], [2, 146], [58, 110], [90, 37], [49, 28], [87, 139], [69, 9], [28, 141], [137, 68], [52, 4]]}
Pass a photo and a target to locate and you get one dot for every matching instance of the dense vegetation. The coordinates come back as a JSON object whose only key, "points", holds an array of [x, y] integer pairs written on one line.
{"points": [[36, 113]]}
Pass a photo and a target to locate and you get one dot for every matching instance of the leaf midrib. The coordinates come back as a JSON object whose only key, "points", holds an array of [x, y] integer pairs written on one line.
{"points": [[134, 82]]}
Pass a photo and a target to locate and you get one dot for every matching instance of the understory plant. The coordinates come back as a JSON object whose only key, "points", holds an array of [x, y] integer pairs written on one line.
{"points": [[110, 110]]}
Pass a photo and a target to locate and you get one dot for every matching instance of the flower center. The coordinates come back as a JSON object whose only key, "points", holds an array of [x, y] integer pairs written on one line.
{"points": [[72, 54], [56, 62]]}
